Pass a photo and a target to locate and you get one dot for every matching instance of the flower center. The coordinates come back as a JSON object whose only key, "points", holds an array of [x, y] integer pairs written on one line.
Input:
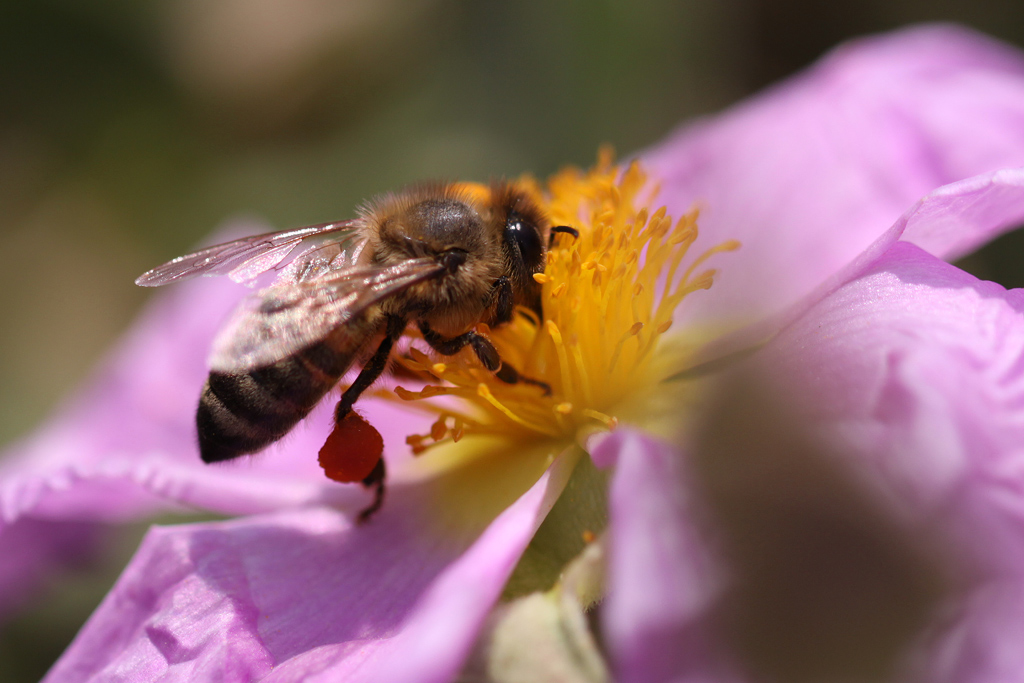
{"points": [[608, 300]]}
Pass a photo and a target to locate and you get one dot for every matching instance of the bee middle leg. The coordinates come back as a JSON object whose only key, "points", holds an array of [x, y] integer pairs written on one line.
{"points": [[484, 350], [482, 346]]}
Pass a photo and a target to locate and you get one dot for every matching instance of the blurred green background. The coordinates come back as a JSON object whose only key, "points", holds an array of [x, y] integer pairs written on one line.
{"points": [[129, 129]]}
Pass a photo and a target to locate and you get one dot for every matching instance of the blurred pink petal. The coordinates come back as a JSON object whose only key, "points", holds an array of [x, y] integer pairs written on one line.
{"points": [[661, 578], [918, 369], [979, 640], [983, 205], [306, 596], [814, 170]]}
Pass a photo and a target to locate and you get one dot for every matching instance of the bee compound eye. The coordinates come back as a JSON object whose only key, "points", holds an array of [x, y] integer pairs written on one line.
{"points": [[527, 238]]}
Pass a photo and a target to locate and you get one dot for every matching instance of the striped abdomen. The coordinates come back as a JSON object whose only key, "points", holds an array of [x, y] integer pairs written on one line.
{"points": [[241, 414]]}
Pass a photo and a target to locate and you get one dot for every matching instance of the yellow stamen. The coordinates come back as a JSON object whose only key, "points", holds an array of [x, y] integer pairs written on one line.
{"points": [[563, 357], [728, 245], [609, 422], [581, 370], [485, 393], [631, 332], [609, 296], [438, 429]]}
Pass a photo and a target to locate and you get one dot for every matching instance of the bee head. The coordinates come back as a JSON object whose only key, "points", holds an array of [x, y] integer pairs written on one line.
{"points": [[478, 235], [522, 226], [448, 225]]}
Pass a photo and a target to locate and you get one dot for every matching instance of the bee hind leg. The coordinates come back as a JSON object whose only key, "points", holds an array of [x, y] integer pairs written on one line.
{"points": [[372, 370], [367, 376], [374, 480]]}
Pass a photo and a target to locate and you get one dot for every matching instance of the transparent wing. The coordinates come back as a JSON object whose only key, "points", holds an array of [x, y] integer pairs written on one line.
{"points": [[302, 253], [281, 320]]}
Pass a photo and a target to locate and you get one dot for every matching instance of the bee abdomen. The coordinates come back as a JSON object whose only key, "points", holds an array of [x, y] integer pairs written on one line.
{"points": [[241, 414]]}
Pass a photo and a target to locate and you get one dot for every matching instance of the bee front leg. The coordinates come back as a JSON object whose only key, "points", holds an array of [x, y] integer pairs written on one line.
{"points": [[562, 230], [504, 300], [484, 350], [509, 375]]}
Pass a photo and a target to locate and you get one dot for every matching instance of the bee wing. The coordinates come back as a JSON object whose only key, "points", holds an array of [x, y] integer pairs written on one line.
{"points": [[312, 250], [281, 320]]}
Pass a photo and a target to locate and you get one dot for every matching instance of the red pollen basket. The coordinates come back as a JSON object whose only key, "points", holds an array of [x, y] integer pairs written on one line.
{"points": [[352, 450]]}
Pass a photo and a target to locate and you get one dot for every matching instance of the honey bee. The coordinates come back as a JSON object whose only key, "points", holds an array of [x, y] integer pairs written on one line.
{"points": [[444, 257]]}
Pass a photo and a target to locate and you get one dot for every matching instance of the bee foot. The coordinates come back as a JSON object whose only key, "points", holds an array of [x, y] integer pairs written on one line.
{"points": [[509, 375], [374, 480]]}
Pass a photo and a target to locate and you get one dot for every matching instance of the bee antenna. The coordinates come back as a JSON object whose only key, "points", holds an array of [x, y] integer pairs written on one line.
{"points": [[562, 229]]}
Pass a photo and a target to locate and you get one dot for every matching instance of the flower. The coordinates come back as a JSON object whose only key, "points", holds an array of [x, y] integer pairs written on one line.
{"points": [[906, 364]]}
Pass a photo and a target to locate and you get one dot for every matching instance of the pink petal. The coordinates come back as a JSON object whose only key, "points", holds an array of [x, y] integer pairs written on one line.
{"points": [[917, 369], [916, 358], [979, 641], [306, 596], [813, 171], [660, 574], [982, 205], [957, 218]]}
